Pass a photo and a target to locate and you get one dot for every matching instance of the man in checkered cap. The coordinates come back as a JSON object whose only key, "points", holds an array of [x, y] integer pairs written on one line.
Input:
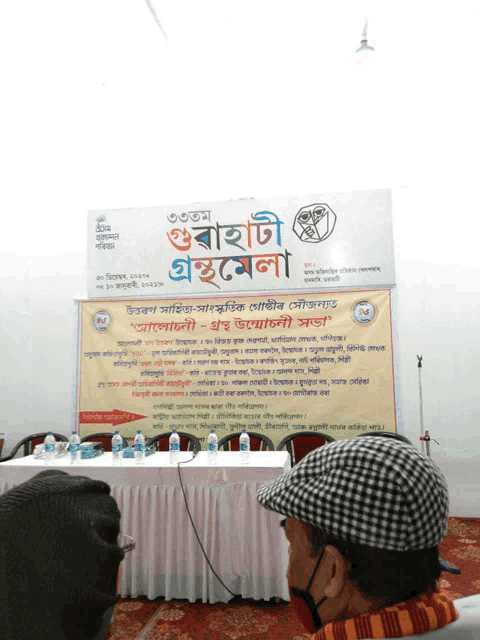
{"points": [[364, 518]]}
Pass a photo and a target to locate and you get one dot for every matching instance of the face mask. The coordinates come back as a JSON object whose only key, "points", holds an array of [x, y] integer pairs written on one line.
{"points": [[304, 605]]}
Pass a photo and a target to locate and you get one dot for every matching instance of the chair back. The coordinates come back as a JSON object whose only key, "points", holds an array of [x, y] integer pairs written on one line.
{"points": [[29, 443], [105, 438], [258, 442], [29, 447], [387, 434], [301, 443], [188, 441]]}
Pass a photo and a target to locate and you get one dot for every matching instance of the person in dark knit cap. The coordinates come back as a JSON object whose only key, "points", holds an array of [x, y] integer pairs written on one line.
{"points": [[59, 557], [364, 518]]}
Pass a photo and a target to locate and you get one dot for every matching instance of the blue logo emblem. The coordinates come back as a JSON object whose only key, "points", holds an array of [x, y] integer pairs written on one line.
{"points": [[102, 320], [364, 312]]}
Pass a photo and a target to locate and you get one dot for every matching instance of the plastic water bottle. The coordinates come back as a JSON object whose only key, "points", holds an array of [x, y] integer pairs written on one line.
{"points": [[174, 447], [212, 454], [49, 448], [139, 446], [117, 448], [74, 448], [244, 446]]}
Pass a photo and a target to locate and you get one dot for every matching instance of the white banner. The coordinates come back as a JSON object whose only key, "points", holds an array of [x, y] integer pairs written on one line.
{"points": [[311, 242]]}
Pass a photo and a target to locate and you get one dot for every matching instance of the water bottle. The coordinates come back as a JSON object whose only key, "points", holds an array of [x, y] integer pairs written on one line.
{"points": [[139, 446], [49, 448], [212, 454], [244, 446], [74, 448], [174, 447], [117, 448]]}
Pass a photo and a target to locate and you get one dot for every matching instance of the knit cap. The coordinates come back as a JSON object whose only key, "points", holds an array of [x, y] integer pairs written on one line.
{"points": [[59, 557]]}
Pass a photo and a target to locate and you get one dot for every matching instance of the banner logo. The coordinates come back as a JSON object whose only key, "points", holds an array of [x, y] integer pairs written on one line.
{"points": [[364, 312], [102, 320], [314, 223]]}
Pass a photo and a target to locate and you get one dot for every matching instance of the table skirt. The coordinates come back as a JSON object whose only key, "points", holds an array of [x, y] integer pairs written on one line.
{"points": [[244, 542]]}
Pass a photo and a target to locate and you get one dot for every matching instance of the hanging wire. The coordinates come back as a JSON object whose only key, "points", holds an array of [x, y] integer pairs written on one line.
{"points": [[155, 17]]}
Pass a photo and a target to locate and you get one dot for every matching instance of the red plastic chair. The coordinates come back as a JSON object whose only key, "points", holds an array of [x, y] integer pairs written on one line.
{"points": [[188, 442], [301, 443], [105, 438], [30, 442], [387, 434], [258, 442]]}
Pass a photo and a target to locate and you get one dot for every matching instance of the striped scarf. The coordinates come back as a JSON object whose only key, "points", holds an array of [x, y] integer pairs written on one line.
{"points": [[430, 611]]}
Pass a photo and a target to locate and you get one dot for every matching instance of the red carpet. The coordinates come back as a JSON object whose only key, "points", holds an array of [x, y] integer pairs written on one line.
{"points": [[181, 620], [461, 547], [142, 619]]}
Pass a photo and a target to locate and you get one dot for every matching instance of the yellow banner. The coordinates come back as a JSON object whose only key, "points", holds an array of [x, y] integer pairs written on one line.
{"points": [[277, 364]]}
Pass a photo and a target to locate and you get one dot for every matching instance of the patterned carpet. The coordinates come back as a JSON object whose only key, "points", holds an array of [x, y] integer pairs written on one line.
{"points": [[143, 619], [461, 547]]}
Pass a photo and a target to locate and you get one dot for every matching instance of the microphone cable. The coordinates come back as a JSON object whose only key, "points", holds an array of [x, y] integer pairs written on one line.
{"points": [[236, 596]]}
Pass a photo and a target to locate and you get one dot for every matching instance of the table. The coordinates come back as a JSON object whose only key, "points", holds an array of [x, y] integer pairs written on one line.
{"points": [[243, 541]]}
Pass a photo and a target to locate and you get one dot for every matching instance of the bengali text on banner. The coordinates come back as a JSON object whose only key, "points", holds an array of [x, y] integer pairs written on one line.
{"points": [[275, 363], [309, 242]]}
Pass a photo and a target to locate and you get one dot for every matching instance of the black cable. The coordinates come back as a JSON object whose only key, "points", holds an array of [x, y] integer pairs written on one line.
{"points": [[235, 595]]}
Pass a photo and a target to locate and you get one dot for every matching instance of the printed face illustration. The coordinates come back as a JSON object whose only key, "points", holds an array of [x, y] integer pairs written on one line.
{"points": [[314, 223]]}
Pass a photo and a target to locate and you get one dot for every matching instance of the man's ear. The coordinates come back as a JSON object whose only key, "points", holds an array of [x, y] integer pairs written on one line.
{"points": [[336, 568]]}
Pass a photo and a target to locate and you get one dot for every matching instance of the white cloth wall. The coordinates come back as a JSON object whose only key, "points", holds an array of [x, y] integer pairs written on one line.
{"points": [[255, 99]]}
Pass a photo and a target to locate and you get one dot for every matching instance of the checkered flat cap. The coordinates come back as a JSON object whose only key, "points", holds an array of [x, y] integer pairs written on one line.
{"points": [[377, 492]]}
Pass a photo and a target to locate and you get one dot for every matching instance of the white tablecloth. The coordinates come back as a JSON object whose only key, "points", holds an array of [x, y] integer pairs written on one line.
{"points": [[243, 541]]}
